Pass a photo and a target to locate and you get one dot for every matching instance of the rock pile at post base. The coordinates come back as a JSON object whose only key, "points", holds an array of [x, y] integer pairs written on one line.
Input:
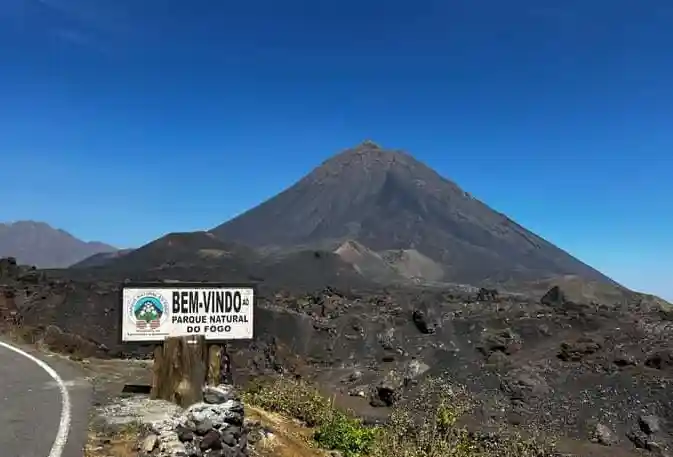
{"points": [[213, 428]]}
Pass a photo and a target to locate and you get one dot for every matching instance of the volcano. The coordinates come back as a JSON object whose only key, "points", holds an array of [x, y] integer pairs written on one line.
{"points": [[387, 200]]}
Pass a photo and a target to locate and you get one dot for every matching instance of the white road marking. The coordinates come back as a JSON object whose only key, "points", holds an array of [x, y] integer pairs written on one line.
{"points": [[64, 421]]}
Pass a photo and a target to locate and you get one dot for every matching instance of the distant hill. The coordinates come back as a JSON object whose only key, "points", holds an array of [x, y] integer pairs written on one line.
{"points": [[200, 256], [389, 266], [388, 201], [39, 244], [181, 249], [100, 258]]}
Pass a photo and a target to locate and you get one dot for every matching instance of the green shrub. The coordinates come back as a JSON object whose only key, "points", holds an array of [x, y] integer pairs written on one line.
{"points": [[346, 434], [427, 426], [294, 398], [335, 430]]}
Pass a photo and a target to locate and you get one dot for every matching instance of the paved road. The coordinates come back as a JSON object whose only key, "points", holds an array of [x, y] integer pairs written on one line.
{"points": [[35, 421]]}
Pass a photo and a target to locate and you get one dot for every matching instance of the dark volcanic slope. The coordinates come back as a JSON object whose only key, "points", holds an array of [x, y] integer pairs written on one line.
{"points": [[39, 244], [388, 200], [101, 258], [200, 256]]}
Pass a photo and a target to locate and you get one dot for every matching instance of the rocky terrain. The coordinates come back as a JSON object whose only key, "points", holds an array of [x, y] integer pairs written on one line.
{"points": [[560, 364], [214, 427]]}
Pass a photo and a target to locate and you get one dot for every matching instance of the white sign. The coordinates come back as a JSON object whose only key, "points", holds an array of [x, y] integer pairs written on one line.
{"points": [[156, 313]]}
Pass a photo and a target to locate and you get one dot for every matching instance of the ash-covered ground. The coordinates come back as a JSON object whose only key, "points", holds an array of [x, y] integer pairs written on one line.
{"points": [[556, 364]]}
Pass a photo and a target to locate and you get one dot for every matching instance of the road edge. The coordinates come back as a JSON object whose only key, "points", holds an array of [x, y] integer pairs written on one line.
{"points": [[66, 406], [78, 394]]}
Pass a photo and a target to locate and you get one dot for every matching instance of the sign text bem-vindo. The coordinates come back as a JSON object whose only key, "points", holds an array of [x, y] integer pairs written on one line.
{"points": [[218, 312]]}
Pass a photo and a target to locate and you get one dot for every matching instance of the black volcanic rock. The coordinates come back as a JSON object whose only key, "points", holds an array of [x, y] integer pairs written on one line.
{"points": [[39, 244], [385, 200]]}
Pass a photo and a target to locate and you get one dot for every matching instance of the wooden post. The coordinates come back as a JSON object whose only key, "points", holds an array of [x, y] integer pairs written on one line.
{"points": [[179, 370], [214, 364], [219, 365], [226, 376]]}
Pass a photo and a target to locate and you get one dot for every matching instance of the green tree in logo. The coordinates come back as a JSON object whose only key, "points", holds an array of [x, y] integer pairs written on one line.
{"points": [[147, 312]]}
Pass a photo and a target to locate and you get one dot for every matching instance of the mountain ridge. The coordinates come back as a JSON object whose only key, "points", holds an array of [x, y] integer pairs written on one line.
{"points": [[40, 244], [386, 200]]}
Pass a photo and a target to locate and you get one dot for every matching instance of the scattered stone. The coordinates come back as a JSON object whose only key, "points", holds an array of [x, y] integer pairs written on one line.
{"points": [[230, 412], [423, 322], [256, 432], [623, 360], [354, 376], [638, 438], [193, 450], [358, 392], [523, 385], [229, 438], [577, 350], [505, 341], [388, 391], [414, 369], [387, 339], [184, 433], [203, 426], [149, 443], [604, 435], [553, 297], [218, 395], [656, 448], [544, 330], [660, 360], [211, 440], [562, 298], [649, 424], [498, 360], [487, 294]]}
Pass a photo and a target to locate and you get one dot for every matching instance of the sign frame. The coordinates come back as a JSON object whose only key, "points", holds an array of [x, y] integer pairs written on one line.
{"points": [[180, 285]]}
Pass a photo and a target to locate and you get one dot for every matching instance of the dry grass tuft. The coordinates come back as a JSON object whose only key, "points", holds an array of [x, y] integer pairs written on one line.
{"points": [[332, 429], [293, 398], [290, 438], [424, 427], [121, 443]]}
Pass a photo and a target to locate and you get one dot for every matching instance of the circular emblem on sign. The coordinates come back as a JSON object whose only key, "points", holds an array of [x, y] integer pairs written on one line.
{"points": [[148, 311]]}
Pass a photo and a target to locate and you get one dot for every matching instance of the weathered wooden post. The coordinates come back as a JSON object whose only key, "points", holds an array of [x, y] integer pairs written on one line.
{"points": [[214, 364], [190, 325], [226, 376], [179, 370]]}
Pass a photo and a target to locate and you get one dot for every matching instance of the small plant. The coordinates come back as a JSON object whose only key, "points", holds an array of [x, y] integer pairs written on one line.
{"points": [[335, 430], [294, 398], [346, 434], [427, 426]]}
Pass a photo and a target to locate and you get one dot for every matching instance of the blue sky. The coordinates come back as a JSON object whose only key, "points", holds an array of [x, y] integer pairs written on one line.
{"points": [[121, 120]]}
